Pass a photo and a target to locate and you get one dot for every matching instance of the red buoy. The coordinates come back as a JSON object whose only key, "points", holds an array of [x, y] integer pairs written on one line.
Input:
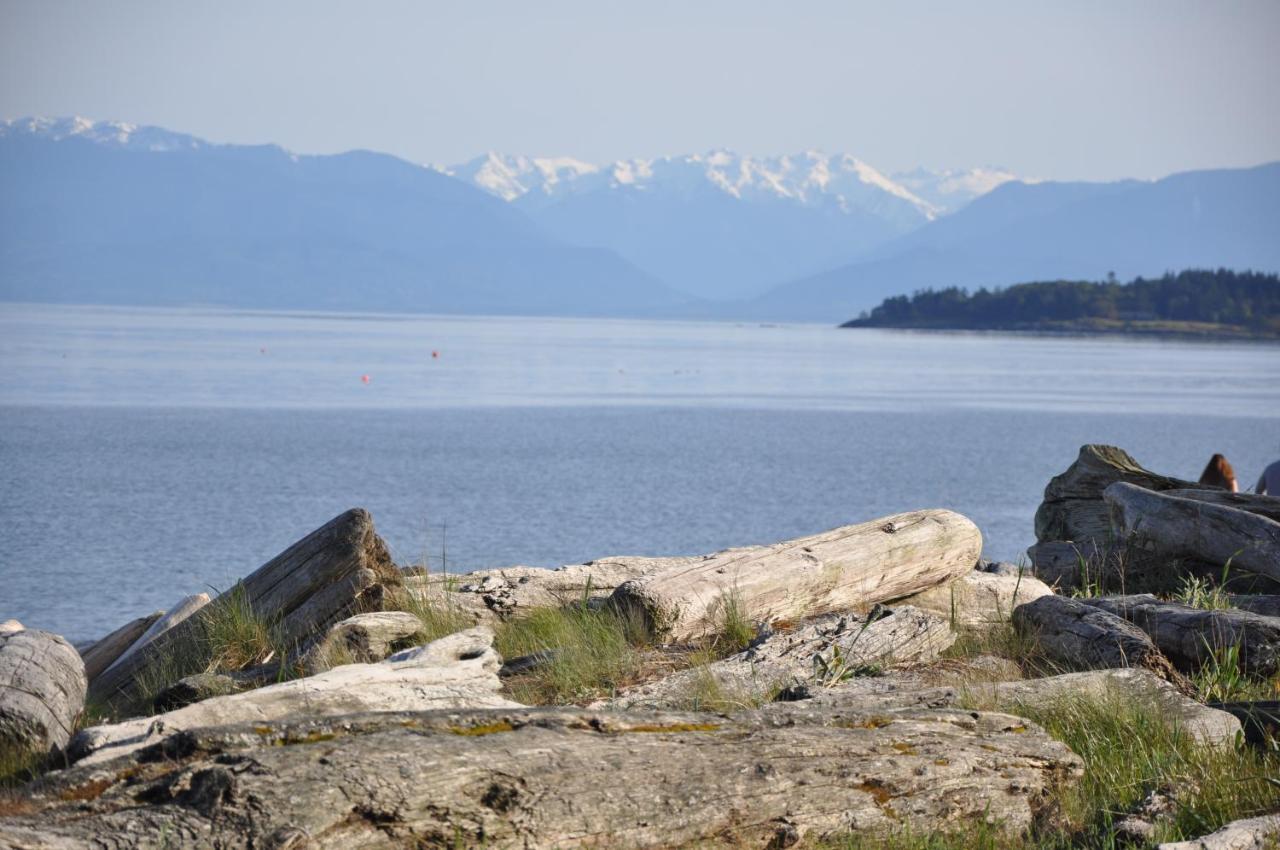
{"points": [[435, 354], [364, 379]]}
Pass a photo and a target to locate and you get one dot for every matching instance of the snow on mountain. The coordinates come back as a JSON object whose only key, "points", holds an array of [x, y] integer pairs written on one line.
{"points": [[810, 179], [948, 191], [117, 133]]}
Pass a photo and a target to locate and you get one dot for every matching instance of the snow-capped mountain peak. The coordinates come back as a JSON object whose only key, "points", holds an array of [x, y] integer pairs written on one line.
{"points": [[115, 133], [513, 177], [811, 178]]}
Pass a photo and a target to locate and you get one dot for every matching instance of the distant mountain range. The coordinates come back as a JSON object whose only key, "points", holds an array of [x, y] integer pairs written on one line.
{"points": [[110, 213], [721, 225], [113, 213]]}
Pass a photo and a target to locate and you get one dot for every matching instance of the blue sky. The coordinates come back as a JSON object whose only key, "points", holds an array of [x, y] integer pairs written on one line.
{"points": [[1087, 90]]}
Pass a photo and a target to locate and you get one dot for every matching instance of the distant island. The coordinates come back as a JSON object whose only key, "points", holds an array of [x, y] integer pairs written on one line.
{"points": [[1197, 302]]}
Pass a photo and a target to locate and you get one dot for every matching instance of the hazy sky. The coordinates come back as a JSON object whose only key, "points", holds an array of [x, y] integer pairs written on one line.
{"points": [[1068, 90]]}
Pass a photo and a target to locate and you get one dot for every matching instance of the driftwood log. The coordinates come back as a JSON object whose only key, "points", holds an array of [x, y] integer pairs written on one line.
{"points": [[42, 689], [1081, 637], [1260, 833], [555, 778], [1073, 509], [847, 569], [1267, 506], [494, 595], [363, 639], [1268, 605], [185, 607], [1190, 637], [458, 671], [99, 655], [816, 655], [1197, 529], [980, 599], [314, 583]]}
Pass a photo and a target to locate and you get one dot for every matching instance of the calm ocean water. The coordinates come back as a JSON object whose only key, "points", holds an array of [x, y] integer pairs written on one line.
{"points": [[148, 454]]}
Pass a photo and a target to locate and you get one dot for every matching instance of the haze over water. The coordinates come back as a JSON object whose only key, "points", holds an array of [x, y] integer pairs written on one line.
{"points": [[148, 454]]}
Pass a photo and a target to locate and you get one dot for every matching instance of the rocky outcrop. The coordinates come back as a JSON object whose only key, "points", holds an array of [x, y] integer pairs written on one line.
{"points": [[556, 778]]}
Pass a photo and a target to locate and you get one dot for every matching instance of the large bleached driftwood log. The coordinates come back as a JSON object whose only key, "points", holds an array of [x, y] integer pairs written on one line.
{"points": [[1189, 637], [500, 594], [42, 688], [816, 655], [314, 583], [102, 653], [980, 599], [1073, 508], [1197, 529], [847, 569], [556, 778], [1082, 637], [185, 607], [458, 671]]}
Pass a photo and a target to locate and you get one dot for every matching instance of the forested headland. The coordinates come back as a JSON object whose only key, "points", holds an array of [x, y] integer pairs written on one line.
{"points": [[1198, 302]]}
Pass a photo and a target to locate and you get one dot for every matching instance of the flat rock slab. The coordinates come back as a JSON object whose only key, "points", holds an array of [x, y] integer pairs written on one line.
{"points": [[554, 778], [457, 671], [1206, 725]]}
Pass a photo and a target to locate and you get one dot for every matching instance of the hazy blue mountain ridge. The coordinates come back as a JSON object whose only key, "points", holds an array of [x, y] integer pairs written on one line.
{"points": [[1226, 218], [84, 221]]}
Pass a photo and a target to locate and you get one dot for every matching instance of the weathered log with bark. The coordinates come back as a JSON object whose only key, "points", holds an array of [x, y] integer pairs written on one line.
{"points": [[458, 671], [1190, 637], [980, 599], [101, 654], [1267, 506], [339, 567], [184, 608], [816, 655], [1082, 637], [1073, 508], [1067, 565], [42, 688], [495, 595], [1268, 605], [847, 569], [555, 778], [1197, 529]]}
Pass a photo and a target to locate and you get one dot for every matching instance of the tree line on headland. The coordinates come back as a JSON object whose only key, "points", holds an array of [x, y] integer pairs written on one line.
{"points": [[1196, 301]]}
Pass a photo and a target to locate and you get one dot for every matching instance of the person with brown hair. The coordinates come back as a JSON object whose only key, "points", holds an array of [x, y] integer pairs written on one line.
{"points": [[1220, 474]]}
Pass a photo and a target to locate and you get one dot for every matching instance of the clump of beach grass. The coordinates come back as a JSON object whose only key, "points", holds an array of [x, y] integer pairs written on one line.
{"points": [[588, 652]]}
